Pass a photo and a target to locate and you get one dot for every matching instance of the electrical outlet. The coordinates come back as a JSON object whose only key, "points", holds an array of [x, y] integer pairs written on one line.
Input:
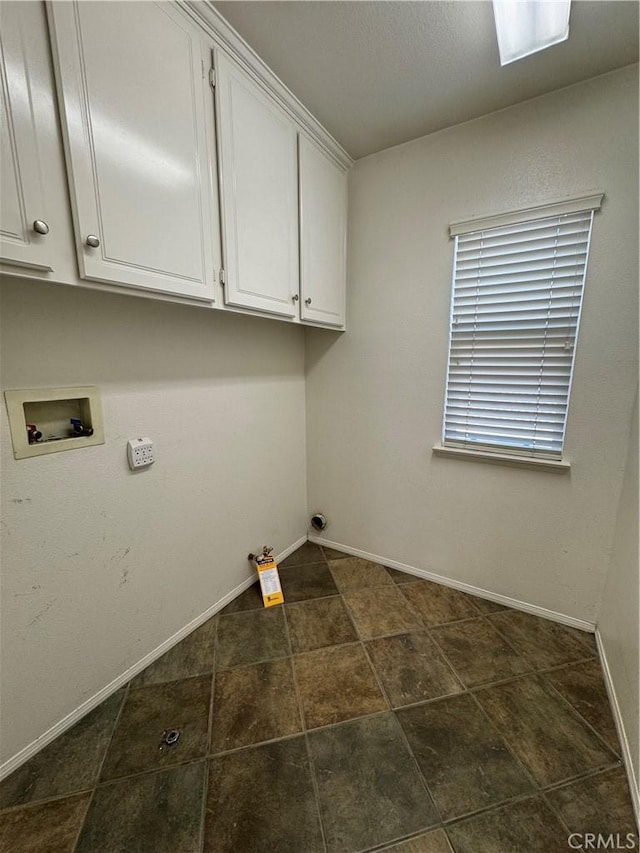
{"points": [[140, 453]]}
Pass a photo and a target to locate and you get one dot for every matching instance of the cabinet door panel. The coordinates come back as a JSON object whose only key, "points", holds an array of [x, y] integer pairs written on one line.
{"points": [[131, 81], [258, 179], [323, 204], [27, 129]]}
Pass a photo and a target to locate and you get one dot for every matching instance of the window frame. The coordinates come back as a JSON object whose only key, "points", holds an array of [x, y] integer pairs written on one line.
{"points": [[496, 452]]}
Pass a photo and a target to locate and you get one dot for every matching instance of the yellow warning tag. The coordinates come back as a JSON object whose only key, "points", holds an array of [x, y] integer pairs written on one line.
{"points": [[269, 581]]}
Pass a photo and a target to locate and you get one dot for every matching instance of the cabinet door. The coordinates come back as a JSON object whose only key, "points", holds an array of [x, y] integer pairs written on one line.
{"points": [[27, 134], [258, 183], [323, 206], [132, 88]]}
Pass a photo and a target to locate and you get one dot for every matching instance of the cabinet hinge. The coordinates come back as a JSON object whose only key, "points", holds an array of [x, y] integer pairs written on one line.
{"points": [[221, 276], [212, 78]]}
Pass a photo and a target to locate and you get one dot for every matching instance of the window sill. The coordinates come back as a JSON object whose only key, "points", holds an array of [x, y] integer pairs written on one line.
{"points": [[558, 466]]}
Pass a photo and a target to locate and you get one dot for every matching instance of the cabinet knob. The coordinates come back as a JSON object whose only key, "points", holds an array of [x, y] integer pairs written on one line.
{"points": [[307, 301], [295, 297], [93, 241], [40, 226]]}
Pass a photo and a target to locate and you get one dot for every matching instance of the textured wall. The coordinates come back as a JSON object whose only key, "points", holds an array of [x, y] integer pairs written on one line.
{"points": [[99, 564], [375, 395], [618, 620]]}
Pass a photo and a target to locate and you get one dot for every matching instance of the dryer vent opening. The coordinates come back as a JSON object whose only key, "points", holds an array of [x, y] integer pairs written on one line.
{"points": [[318, 521]]}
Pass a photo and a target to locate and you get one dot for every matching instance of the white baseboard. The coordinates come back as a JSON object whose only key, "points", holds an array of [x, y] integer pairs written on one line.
{"points": [[60, 727], [424, 574], [634, 782]]}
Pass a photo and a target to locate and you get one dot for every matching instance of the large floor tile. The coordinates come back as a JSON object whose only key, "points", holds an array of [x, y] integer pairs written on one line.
{"points": [[307, 553], [437, 604], [528, 826], [478, 653], [253, 704], [262, 799], [356, 573], [250, 599], [150, 711], [159, 812], [192, 656], [435, 841], [465, 762], [599, 804], [337, 684], [548, 736], [256, 635], [583, 685], [319, 623], [70, 763], [542, 642], [411, 668], [43, 828], [301, 583], [369, 788], [381, 611]]}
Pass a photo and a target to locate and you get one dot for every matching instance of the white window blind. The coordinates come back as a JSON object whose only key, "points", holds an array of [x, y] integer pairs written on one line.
{"points": [[517, 293]]}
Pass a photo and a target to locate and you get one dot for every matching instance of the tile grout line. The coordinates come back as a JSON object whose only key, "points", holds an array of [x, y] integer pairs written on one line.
{"points": [[167, 768], [486, 684], [528, 774], [310, 761], [301, 716], [448, 662], [8, 810], [598, 771], [116, 722], [556, 812], [397, 722], [523, 654], [388, 710], [386, 846], [538, 788], [293, 735], [506, 640], [205, 787], [170, 680], [583, 719], [421, 775], [487, 810]]}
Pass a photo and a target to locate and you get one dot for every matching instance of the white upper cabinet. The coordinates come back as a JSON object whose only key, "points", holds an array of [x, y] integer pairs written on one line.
{"points": [[323, 209], [132, 89], [258, 184], [31, 234]]}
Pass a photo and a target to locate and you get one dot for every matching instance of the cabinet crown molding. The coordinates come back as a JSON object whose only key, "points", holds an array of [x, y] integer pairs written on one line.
{"points": [[228, 40]]}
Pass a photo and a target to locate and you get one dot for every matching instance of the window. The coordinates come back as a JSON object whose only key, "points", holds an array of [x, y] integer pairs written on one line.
{"points": [[515, 309]]}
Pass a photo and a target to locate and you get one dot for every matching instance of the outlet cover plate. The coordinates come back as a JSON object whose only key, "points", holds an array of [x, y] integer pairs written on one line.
{"points": [[140, 453]]}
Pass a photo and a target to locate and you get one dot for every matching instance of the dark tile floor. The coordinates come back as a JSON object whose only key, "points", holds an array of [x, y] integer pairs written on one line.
{"points": [[374, 711]]}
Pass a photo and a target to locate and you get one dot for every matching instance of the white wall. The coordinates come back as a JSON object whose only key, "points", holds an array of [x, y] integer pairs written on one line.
{"points": [[375, 395], [100, 565], [618, 620]]}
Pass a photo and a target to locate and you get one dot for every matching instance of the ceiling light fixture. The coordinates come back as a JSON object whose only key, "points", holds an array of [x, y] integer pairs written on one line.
{"points": [[527, 26]]}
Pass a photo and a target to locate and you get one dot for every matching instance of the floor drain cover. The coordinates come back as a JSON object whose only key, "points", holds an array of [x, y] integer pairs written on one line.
{"points": [[170, 737]]}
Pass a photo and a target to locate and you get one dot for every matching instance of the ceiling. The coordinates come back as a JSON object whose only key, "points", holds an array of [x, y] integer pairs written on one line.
{"points": [[380, 73]]}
